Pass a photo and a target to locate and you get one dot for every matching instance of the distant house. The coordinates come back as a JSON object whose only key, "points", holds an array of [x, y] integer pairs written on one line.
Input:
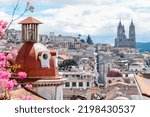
{"points": [[61, 41], [61, 58]]}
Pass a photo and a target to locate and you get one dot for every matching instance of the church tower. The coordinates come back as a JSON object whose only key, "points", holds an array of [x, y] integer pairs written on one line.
{"points": [[119, 30], [30, 29], [132, 37], [39, 63], [122, 41], [121, 37]]}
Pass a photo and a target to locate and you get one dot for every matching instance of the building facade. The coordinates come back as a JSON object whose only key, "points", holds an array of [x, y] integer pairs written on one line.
{"points": [[122, 40], [69, 42], [14, 35]]}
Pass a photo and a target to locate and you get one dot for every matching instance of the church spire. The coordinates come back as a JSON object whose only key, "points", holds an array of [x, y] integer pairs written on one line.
{"points": [[132, 23], [120, 22]]}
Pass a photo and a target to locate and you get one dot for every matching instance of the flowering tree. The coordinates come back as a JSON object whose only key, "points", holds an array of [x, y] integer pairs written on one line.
{"points": [[3, 25], [7, 60], [28, 7], [7, 68]]}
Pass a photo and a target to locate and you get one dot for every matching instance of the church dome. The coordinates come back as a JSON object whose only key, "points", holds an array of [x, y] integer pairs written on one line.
{"points": [[34, 58], [29, 60]]}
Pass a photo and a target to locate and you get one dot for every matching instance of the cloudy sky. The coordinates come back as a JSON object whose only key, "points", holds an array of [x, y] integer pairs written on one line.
{"points": [[99, 18]]}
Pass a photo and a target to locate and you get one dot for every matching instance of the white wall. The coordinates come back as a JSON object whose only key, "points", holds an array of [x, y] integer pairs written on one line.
{"points": [[46, 92]]}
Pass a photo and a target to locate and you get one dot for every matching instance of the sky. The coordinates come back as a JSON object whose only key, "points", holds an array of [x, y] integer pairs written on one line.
{"points": [[99, 18]]}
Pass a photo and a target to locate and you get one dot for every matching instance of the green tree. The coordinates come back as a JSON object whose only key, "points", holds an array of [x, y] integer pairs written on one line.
{"points": [[82, 40], [67, 64], [89, 40]]}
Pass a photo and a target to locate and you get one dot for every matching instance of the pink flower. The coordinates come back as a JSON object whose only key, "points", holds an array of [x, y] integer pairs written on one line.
{"points": [[3, 83], [5, 75], [14, 82], [9, 56], [2, 57], [2, 64], [27, 97], [1, 22], [22, 75], [14, 53], [19, 87], [28, 86], [10, 85], [4, 25]]}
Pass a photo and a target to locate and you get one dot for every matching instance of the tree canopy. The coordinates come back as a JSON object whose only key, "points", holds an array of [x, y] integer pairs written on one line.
{"points": [[89, 40], [82, 40], [67, 64]]}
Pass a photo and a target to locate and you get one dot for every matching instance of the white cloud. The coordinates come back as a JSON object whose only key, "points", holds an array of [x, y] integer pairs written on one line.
{"points": [[100, 18], [96, 17], [90, 19]]}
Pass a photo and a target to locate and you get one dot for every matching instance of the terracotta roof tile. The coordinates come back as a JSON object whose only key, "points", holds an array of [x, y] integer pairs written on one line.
{"points": [[17, 94], [30, 20], [144, 85]]}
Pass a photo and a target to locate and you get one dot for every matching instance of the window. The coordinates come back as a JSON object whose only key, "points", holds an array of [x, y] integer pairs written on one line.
{"points": [[66, 75], [77, 75], [80, 84], [136, 70], [67, 84], [109, 81], [108, 68], [126, 75], [87, 84], [45, 56], [74, 84]]}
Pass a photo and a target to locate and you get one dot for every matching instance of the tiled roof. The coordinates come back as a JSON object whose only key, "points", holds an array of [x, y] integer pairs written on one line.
{"points": [[144, 85], [17, 94], [29, 61], [64, 57], [30, 20]]}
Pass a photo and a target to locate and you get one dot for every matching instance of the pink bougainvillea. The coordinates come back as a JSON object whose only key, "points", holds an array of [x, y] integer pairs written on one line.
{"points": [[5, 75], [3, 25], [7, 60], [11, 84], [22, 75], [14, 53], [9, 56], [7, 83], [28, 86]]}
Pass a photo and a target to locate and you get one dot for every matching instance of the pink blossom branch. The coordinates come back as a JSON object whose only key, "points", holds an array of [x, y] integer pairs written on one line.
{"points": [[12, 20], [28, 7]]}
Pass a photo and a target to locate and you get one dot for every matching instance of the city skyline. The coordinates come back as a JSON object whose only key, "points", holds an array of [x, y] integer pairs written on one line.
{"points": [[97, 18]]}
